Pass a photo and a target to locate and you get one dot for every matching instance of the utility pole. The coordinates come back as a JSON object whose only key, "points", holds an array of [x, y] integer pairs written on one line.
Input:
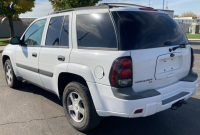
{"points": [[149, 3], [163, 4], [166, 7]]}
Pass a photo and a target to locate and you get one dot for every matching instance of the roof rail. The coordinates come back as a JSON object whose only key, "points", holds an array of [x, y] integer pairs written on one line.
{"points": [[80, 8], [60, 11], [102, 5], [124, 4]]}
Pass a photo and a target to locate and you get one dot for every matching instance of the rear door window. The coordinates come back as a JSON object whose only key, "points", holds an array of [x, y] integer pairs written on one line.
{"points": [[95, 30], [53, 33], [149, 30]]}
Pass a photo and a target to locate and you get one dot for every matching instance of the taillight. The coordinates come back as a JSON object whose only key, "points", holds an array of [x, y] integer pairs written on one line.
{"points": [[192, 57], [121, 72], [149, 9]]}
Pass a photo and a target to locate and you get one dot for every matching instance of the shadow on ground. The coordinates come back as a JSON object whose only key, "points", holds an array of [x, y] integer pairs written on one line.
{"points": [[196, 51], [183, 121], [28, 87]]}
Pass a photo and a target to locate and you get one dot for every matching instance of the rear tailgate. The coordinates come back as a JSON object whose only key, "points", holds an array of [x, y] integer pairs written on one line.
{"points": [[156, 68]]}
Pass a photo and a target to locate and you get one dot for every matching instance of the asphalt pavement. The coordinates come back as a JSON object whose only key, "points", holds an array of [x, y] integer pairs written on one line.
{"points": [[31, 110]]}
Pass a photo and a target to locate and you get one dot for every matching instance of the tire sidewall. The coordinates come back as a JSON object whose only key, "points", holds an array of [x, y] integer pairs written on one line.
{"points": [[83, 123]]}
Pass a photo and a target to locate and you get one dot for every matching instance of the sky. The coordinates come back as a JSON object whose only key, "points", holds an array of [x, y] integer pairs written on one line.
{"points": [[43, 7]]}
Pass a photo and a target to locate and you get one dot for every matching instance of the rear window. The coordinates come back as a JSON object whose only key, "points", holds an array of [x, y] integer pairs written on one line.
{"points": [[148, 30], [95, 30]]}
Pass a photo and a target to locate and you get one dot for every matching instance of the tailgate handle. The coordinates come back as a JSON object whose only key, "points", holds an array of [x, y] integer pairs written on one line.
{"points": [[172, 55]]}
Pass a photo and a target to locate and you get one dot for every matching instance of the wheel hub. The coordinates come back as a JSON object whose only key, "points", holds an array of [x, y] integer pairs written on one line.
{"points": [[75, 107]]}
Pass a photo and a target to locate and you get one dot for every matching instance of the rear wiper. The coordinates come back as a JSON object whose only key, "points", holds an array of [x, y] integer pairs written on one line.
{"points": [[180, 46]]}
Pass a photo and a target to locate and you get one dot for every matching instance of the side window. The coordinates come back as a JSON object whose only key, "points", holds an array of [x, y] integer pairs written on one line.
{"points": [[95, 30], [53, 33], [64, 39], [33, 35]]}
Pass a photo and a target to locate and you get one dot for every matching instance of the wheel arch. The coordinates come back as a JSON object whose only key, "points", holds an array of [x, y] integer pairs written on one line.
{"points": [[4, 58], [65, 78], [75, 72], [8, 54]]}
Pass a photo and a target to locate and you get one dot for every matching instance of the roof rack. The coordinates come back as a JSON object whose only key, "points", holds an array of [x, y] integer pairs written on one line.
{"points": [[80, 8], [60, 11], [100, 6], [123, 4]]}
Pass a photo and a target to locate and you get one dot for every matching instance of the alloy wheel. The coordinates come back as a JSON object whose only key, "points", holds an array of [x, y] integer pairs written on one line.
{"points": [[9, 75], [75, 107]]}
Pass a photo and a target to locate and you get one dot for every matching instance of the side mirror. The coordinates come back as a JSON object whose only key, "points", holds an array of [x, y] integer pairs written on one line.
{"points": [[15, 41]]}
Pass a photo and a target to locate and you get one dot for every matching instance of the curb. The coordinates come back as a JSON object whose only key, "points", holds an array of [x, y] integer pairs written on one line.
{"points": [[198, 40]]}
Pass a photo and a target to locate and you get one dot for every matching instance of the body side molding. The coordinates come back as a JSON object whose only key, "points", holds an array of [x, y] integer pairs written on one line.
{"points": [[43, 72]]}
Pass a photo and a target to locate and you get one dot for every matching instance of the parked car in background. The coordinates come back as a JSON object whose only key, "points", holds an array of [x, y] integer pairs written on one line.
{"points": [[107, 60]]}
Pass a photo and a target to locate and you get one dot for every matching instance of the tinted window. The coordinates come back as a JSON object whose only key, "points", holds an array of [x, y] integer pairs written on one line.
{"points": [[64, 40], [95, 30], [33, 35], [53, 33], [150, 30]]}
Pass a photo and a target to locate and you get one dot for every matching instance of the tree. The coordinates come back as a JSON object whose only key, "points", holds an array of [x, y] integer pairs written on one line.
{"points": [[11, 8], [176, 16], [66, 4], [189, 14]]}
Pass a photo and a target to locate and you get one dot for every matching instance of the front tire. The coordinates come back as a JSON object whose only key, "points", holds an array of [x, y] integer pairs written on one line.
{"points": [[79, 107], [10, 76]]}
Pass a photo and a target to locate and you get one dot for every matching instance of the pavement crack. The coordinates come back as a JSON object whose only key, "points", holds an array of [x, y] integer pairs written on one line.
{"points": [[9, 123], [45, 117]]}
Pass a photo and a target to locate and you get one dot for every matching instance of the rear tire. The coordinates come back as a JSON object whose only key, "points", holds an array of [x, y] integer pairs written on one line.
{"points": [[10, 76], [79, 107]]}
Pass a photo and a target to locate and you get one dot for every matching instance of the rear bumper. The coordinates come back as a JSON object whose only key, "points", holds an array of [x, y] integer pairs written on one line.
{"points": [[107, 104]]}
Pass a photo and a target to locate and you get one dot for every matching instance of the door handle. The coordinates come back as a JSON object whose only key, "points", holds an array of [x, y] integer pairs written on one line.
{"points": [[34, 54], [61, 58]]}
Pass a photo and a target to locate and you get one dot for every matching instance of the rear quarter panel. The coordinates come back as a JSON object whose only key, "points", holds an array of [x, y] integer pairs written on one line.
{"points": [[94, 58]]}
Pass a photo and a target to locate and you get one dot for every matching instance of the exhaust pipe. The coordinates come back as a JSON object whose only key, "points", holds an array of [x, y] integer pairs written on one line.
{"points": [[178, 104]]}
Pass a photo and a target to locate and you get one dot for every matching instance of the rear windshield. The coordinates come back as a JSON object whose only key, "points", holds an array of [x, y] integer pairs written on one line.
{"points": [[149, 30]]}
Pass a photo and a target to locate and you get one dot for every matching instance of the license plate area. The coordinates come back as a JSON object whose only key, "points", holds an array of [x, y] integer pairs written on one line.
{"points": [[168, 66]]}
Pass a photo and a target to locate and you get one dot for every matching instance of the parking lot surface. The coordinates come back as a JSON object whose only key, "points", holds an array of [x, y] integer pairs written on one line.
{"points": [[31, 110]]}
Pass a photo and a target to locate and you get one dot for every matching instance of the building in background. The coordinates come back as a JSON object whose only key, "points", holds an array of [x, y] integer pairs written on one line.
{"points": [[186, 20], [189, 24], [20, 25]]}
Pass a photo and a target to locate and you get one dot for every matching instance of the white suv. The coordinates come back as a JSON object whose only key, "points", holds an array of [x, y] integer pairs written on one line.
{"points": [[107, 60]]}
